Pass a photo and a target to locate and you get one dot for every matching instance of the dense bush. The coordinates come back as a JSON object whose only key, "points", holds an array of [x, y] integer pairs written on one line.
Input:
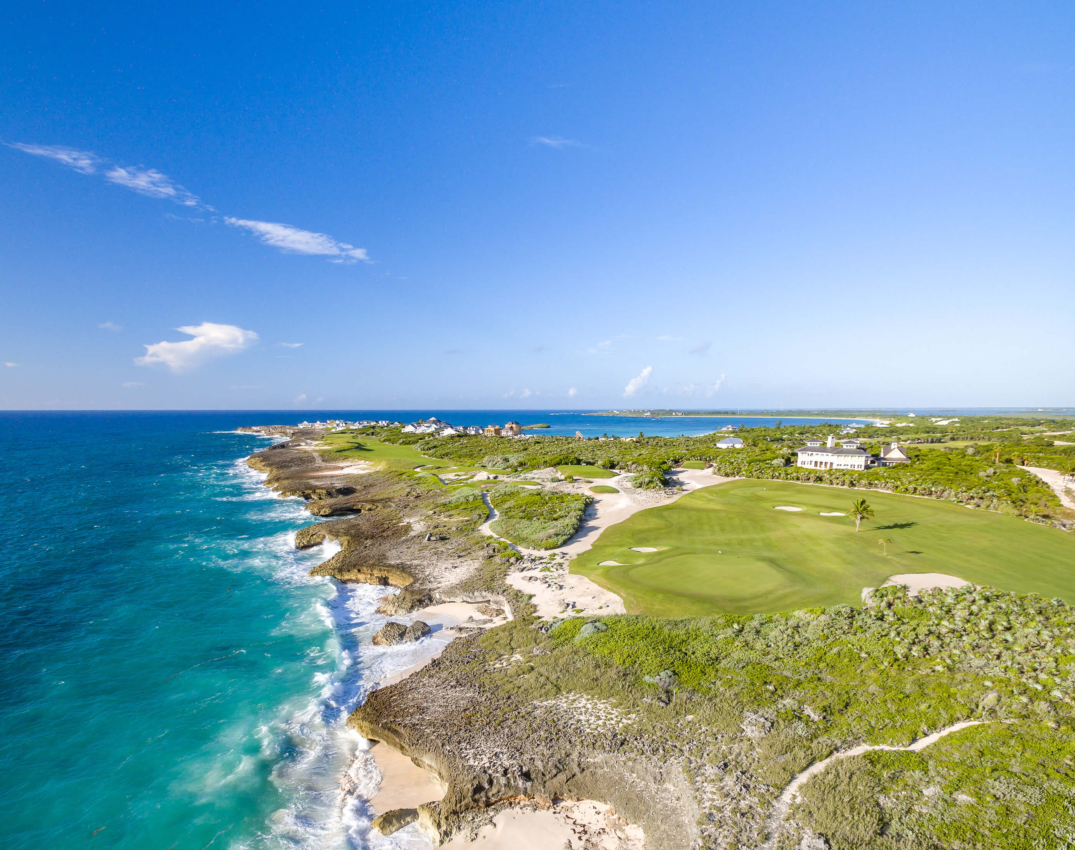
{"points": [[536, 519], [652, 479]]}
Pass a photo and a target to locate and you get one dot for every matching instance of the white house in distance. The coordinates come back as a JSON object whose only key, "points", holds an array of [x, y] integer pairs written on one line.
{"points": [[892, 455], [730, 443], [830, 456]]}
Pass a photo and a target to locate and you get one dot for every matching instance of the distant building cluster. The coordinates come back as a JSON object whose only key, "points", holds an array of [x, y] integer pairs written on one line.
{"points": [[440, 428], [848, 455], [344, 425]]}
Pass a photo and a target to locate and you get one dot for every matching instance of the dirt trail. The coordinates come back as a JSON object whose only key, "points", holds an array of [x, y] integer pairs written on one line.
{"points": [[790, 794], [1055, 480]]}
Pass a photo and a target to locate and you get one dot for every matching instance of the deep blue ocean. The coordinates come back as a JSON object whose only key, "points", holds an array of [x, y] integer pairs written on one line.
{"points": [[170, 676]]}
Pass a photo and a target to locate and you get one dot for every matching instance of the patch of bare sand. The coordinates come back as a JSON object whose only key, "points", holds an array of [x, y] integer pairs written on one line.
{"points": [[556, 592], [404, 785], [566, 825], [917, 582], [358, 467], [1064, 490]]}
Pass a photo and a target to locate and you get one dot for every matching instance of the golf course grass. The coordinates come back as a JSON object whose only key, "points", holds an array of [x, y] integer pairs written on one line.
{"points": [[391, 456], [603, 488], [582, 471], [771, 560]]}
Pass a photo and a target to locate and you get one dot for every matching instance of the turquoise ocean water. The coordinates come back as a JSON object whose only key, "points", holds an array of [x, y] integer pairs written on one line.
{"points": [[170, 676]]}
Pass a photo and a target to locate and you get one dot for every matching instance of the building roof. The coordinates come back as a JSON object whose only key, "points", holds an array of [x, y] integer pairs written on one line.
{"points": [[831, 451]]}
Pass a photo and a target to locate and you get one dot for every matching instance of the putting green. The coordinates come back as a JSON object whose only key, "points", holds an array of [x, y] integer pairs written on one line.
{"points": [[773, 560]]}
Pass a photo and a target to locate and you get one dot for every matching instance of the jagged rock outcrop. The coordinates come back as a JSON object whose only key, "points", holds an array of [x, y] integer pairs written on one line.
{"points": [[394, 821], [393, 634], [487, 746], [407, 601]]}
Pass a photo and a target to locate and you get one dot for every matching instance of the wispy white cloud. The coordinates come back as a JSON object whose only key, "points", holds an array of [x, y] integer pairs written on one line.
{"points": [[84, 162], [11, 365], [702, 348], [300, 399], [556, 142], [637, 382], [151, 183], [601, 347], [155, 184], [110, 326], [702, 390], [525, 394], [574, 391], [209, 341], [132, 384], [290, 344], [293, 240]]}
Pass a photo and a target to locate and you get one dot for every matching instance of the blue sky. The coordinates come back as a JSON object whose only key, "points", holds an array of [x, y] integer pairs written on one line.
{"points": [[554, 205]]}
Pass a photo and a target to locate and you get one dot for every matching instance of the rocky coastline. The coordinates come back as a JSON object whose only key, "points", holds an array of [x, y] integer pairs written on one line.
{"points": [[434, 717]]}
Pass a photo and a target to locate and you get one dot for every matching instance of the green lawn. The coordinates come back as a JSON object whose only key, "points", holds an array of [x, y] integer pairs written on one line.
{"points": [[394, 457], [693, 464], [583, 471], [779, 561], [603, 488]]}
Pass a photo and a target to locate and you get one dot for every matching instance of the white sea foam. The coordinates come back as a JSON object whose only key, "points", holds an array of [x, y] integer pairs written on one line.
{"points": [[322, 768]]}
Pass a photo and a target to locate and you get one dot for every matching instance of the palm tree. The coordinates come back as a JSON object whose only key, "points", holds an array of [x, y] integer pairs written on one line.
{"points": [[860, 510], [883, 542]]}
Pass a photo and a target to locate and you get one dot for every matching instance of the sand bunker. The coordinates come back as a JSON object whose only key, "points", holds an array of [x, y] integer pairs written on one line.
{"points": [[917, 582], [611, 564], [786, 508], [643, 549], [833, 513]]}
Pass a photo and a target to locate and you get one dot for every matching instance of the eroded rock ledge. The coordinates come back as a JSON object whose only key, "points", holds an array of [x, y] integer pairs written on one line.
{"points": [[490, 744]]}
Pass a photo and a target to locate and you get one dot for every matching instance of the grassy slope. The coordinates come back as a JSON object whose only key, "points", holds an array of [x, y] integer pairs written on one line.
{"points": [[583, 471], [399, 458], [779, 561]]}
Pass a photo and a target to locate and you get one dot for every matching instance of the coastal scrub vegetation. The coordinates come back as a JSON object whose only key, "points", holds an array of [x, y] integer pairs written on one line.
{"points": [[743, 703], [981, 468], [536, 519]]}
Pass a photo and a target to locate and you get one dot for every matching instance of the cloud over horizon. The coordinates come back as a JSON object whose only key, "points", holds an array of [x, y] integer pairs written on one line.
{"points": [[210, 340], [294, 240], [637, 382]]}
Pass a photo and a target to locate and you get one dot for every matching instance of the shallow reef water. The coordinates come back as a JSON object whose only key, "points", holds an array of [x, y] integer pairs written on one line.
{"points": [[170, 676]]}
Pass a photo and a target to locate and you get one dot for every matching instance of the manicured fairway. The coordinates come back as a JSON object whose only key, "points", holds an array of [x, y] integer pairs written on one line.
{"points": [[774, 560], [392, 456]]}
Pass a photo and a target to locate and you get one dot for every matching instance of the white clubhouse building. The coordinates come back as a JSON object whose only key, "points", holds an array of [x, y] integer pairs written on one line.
{"points": [[848, 455], [830, 456]]}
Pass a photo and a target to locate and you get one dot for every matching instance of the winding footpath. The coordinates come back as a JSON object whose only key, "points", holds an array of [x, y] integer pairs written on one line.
{"points": [[790, 794], [1055, 480]]}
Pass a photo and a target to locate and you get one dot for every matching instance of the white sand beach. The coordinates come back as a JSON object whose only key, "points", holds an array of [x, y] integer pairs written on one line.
{"points": [[582, 825]]}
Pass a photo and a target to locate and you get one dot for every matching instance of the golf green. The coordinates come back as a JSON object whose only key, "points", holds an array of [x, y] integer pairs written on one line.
{"points": [[727, 549]]}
